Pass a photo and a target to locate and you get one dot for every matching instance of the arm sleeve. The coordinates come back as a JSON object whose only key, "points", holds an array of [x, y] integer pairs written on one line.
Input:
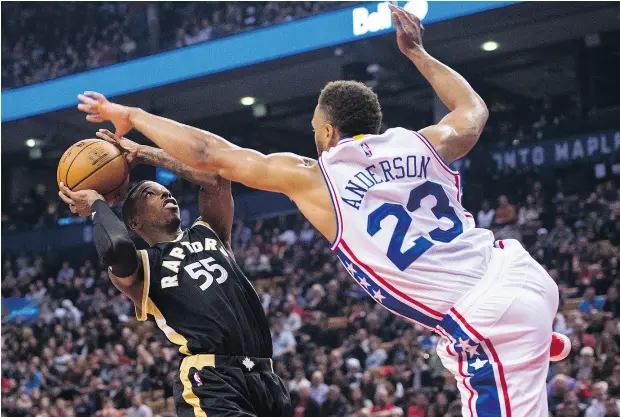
{"points": [[114, 245]]}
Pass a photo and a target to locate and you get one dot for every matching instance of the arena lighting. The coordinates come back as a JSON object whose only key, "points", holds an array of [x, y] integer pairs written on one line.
{"points": [[31, 143], [247, 101], [489, 46]]}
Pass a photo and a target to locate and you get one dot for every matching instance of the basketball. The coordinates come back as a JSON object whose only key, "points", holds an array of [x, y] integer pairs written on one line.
{"points": [[94, 164]]}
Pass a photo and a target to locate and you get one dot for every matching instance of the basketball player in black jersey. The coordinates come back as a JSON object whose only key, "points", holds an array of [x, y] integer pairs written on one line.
{"points": [[189, 282]]}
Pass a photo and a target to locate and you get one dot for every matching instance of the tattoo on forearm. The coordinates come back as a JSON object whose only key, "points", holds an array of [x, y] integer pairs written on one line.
{"points": [[160, 158]]}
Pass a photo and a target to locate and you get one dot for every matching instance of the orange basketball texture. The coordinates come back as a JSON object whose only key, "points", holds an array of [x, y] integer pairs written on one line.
{"points": [[94, 164]]}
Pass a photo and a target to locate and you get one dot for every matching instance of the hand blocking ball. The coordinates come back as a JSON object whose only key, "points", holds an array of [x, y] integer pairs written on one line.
{"points": [[94, 164]]}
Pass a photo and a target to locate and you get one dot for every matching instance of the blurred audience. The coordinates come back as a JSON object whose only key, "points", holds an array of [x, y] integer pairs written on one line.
{"points": [[41, 41], [82, 353]]}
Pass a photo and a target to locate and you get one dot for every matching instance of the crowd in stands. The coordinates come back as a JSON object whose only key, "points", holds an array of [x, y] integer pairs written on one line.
{"points": [[340, 353], [42, 41]]}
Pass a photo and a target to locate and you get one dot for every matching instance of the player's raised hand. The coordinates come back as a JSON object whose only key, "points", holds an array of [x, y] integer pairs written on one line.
{"points": [[409, 30], [129, 147], [100, 109], [79, 201]]}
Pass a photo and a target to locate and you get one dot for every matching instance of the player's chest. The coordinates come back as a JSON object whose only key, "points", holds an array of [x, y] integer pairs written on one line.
{"points": [[195, 265]]}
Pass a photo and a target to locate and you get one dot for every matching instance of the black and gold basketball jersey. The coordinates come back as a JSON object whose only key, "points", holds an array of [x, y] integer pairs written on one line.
{"points": [[200, 298]]}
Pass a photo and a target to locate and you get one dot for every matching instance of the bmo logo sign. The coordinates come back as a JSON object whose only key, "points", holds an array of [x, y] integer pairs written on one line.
{"points": [[365, 21]]}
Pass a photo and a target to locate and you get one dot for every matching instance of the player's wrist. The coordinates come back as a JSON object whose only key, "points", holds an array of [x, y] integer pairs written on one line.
{"points": [[92, 201], [142, 153], [417, 54], [132, 114]]}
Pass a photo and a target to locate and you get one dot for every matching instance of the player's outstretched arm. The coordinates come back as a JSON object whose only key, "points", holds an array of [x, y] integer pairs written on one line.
{"points": [[457, 133], [283, 172], [114, 245]]}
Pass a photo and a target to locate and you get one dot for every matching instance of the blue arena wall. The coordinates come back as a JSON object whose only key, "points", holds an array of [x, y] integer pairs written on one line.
{"points": [[303, 35]]}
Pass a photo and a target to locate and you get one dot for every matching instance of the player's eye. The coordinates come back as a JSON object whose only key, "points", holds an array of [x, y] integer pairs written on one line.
{"points": [[149, 193]]}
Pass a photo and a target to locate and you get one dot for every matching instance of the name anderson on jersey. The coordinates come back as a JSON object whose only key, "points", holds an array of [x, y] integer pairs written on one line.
{"points": [[410, 166]]}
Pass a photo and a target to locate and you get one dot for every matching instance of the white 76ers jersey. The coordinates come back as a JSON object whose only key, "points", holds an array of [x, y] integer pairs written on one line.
{"points": [[402, 232]]}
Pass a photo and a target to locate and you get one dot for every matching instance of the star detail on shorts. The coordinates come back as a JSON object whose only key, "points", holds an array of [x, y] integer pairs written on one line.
{"points": [[248, 363], [363, 282], [351, 269], [478, 364], [472, 350], [464, 344], [378, 296]]}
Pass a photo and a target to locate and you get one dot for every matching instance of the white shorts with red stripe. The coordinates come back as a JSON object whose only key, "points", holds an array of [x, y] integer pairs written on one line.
{"points": [[496, 338]]}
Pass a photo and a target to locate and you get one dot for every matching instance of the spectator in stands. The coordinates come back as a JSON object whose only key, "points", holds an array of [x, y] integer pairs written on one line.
{"points": [[597, 404], [384, 406], [591, 301], [419, 408], [66, 273], [486, 215], [335, 405], [560, 233], [138, 408], [529, 217], [359, 404], [376, 355], [505, 213], [612, 302], [303, 404], [318, 388]]}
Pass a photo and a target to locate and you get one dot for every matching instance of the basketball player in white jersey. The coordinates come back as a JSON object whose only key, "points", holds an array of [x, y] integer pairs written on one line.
{"points": [[390, 205]]}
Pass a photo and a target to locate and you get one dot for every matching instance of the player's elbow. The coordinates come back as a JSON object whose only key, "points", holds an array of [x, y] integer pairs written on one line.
{"points": [[475, 120], [121, 249], [479, 116]]}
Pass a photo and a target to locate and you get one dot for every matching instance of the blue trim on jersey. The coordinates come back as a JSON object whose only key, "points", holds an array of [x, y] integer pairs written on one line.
{"points": [[436, 153], [482, 380], [382, 296], [334, 205]]}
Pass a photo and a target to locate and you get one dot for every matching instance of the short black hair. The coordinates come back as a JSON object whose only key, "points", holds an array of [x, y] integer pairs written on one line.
{"points": [[129, 206], [351, 107]]}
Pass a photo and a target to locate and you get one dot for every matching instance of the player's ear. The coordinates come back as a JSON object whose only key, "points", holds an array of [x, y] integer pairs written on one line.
{"points": [[330, 132], [133, 224]]}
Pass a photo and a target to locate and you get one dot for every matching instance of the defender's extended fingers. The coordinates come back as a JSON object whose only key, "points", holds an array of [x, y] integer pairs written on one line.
{"points": [[86, 100], [396, 21], [95, 95], [95, 118], [405, 16]]}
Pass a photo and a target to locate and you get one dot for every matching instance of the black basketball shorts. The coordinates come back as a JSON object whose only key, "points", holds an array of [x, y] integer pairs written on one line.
{"points": [[227, 386]]}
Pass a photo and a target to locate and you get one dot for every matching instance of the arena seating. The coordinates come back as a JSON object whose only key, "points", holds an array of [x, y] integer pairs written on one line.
{"points": [[111, 32], [89, 355]]}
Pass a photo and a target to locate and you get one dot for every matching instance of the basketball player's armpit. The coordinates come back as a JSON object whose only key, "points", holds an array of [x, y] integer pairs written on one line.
{"points": [[114, 245]]}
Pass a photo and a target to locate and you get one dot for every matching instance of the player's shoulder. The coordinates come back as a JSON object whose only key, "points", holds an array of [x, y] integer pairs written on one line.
{"points": [[398, 132], [202, 229]]}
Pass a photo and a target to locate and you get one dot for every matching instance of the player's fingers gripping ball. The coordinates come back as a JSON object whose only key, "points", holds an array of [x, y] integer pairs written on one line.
{"points": [[94, 164]]}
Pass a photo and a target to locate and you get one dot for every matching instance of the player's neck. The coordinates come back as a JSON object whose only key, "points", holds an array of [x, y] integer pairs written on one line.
{"points": [[161, 236], [333, 142]]}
